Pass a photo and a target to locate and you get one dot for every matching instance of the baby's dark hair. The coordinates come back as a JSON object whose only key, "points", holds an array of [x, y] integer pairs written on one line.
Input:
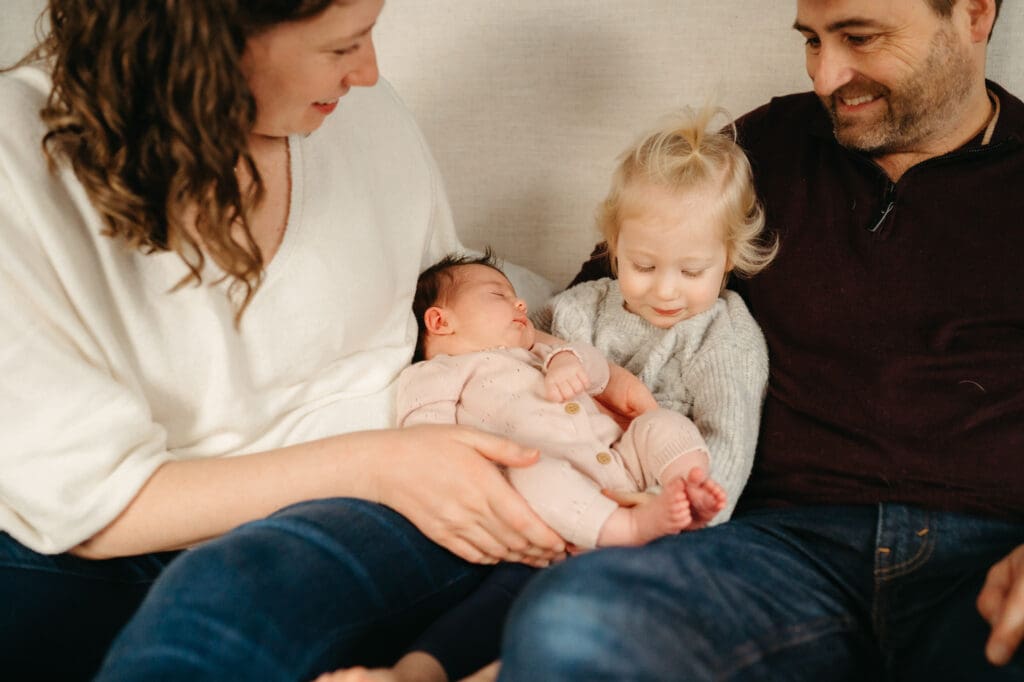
{"points": [[433, 285]]}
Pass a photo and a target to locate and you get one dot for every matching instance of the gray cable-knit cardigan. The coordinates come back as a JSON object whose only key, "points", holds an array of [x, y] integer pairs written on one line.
{"points": [[712, 367]]}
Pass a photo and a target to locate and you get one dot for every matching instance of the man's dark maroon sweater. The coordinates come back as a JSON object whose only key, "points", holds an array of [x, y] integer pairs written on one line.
{"points": [[894, 316], [895, 319]]}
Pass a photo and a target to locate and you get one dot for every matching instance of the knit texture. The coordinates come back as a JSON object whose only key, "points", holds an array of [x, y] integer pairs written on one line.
{"points": [[107, 374], [712, 367], [582, 449], [897, 352]]}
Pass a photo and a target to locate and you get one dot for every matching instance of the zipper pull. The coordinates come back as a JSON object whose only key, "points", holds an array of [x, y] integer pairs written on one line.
{"points": [[890, 200]]}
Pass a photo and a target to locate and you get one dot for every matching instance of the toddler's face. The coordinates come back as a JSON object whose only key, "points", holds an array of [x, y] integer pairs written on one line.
{"points": [[483, 311], [671, 252]]}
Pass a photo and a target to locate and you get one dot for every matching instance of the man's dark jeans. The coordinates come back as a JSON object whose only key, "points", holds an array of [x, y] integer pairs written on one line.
{"points": [[842, 593]]}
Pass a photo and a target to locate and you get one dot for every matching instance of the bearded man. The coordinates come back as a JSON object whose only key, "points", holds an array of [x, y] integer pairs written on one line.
{"points": [[888, 480]]}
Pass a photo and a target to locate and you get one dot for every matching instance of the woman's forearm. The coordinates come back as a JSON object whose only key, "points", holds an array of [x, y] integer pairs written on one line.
{"points": [[442, 478], [186, 502]]}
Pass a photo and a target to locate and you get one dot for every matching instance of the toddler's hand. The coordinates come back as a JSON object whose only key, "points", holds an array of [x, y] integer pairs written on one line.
{"points": [[565, 377], [625, 397]]}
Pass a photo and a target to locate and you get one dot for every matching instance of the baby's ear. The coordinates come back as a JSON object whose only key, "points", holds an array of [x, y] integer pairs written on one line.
{"points": [[436, 322]]}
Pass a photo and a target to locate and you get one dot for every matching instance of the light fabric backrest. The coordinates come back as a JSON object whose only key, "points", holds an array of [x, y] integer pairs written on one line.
{"points": [[526, 104], [17, 28]]}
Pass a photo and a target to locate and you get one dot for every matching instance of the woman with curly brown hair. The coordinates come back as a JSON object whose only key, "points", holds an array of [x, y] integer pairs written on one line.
{"points": [[209, 261]]}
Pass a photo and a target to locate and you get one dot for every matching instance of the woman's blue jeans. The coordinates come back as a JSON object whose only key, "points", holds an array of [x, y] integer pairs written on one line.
{"points": [[857, 594], [315, 586]]}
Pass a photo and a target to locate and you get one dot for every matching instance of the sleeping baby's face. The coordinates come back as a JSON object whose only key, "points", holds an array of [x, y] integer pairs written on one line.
{"points": [[480, 310]]}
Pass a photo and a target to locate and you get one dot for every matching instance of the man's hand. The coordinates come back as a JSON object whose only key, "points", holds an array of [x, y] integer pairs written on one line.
{"points": [[1001, 603]]}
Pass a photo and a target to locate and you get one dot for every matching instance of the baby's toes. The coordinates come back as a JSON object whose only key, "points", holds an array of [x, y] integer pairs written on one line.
{"points": [[707, 499]]}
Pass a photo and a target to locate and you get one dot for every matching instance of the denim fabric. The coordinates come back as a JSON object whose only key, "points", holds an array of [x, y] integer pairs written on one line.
{"points": [[468, 637], [58, 614], [832, 593], [315, 586]]}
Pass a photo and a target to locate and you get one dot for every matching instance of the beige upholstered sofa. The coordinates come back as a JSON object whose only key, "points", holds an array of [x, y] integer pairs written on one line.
{"points": [[527, 103]]}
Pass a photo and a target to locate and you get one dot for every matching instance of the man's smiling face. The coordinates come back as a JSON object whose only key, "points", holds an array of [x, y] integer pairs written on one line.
{"points": [[893, 74]]}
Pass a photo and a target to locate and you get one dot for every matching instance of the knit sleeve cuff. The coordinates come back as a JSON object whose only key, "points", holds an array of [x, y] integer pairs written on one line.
{"points": [[552, 352]]}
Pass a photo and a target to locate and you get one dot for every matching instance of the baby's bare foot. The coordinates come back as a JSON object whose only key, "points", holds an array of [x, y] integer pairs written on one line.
{"points": [[666, 513], [488, 673], [706, 497], [677, 511], [359, 674], [415, 666]]}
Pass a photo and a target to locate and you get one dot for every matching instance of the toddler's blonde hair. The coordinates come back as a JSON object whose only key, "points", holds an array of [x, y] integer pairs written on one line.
{"points": [[686, 154]]}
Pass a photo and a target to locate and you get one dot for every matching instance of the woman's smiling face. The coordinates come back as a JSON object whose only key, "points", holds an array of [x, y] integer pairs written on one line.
{"points": [[298, 70]]}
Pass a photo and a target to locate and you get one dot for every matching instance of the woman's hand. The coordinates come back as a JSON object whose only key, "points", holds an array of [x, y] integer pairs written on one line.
{"points": [[439, 478], [625, 397], [1001, 603]]}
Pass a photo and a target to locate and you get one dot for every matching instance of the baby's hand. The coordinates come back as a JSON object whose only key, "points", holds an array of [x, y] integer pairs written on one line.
{"points": [[565, 377]]}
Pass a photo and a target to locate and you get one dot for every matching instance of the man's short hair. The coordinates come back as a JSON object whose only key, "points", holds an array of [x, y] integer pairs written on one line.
{"points": [[944, 8]]}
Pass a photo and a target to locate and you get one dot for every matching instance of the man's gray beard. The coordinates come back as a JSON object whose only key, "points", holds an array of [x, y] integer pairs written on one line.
{"points": [[927, 99]]}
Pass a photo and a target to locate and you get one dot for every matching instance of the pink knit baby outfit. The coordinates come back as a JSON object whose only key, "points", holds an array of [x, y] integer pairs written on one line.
{"points": [[582, 449]]}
